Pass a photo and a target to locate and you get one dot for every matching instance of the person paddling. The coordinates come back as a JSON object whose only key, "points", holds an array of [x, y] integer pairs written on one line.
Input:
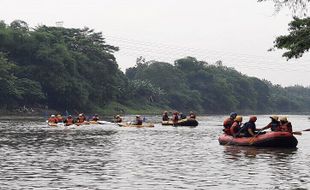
{"points": [[81, 118], [249, 128], [192, 115], [175, 117], [274, 125], [228, 123]]}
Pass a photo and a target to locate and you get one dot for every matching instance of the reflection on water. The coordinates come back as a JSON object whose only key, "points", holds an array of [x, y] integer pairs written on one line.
{"points": [[34, 156]]}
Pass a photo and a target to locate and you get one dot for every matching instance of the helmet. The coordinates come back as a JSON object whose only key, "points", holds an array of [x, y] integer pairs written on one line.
{"points": [[80, 114], [96, 115], [137, 116], [117, 116], [284, 119], [69, 116], [233, 115], [238, 118], [274, 117], [52, 115], [58, 115], [253, 118], [165, 112]]}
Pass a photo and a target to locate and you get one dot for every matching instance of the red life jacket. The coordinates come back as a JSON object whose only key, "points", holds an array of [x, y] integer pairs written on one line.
{"points": [[59, 119], [52, 120]]}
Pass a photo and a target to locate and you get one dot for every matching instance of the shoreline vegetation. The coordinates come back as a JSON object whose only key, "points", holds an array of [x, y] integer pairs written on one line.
{"points": [[44, 69]]}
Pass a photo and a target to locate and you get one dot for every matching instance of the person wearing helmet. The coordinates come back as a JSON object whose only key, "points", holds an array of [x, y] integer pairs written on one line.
{"points": [[249, 128], [236, 126], [81, 118], [285, 125], [175, 117], [95, 117], [165, 116], [118, 119], [138, 120], [52, 119], [274, 125], [69, 121], [59, 118], [192, 115], [228, 123]]}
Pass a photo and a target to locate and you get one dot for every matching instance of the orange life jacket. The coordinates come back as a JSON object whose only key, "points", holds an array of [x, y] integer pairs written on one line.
{"points": [[235, 128], [227, 124]]}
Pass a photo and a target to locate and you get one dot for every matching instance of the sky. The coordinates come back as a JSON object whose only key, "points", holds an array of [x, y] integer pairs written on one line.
{"points": [[238, 32]]}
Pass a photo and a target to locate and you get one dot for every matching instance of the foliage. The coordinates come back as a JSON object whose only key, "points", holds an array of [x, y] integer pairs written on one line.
{"points": [[75, 70], [297, 42]]}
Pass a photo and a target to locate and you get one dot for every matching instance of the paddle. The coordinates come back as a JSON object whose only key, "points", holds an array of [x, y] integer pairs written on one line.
{"points": [[253, 138]]}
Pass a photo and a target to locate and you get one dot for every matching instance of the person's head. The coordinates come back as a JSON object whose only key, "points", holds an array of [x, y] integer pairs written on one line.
{"points": [[233, 115], [52, 115], [117, 116], [253, 118], [69, 116], [80, 115], [96, 115], [283, 119], [138, 116], [238, 118], [274, 118], [165, 112]]}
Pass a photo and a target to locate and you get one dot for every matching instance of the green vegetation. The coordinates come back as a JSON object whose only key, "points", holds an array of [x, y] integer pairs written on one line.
{"points": [[75, 70]]}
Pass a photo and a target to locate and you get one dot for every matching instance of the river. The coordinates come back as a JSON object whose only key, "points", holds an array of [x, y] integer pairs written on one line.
{"points": [[35, 156]]}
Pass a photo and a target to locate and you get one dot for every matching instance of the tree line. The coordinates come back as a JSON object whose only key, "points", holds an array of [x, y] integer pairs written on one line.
{"points": [[75, 69]]}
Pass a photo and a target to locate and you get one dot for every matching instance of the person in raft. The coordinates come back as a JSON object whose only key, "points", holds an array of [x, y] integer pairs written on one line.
{"points": [[285, 125], [228, 122], [95, 117], [60, 119], [69, 120], [118, 119], [81, 118], [249, 128], [192, 115], [182, 116], [236, 126], [274, 125], [175, 117], [138, 120], [165, 116], [53, 119]]}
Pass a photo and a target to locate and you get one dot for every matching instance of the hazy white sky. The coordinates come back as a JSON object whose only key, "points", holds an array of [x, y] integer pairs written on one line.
{"points": [[238, 32]]}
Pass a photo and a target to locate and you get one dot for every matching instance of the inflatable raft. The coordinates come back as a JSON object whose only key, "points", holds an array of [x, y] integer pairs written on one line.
{"points": [[183, 122], [269, 139], [137, 126]]}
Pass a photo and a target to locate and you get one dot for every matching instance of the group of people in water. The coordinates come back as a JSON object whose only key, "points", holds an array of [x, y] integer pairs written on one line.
{"points": [[233, 125], [176, 116]]}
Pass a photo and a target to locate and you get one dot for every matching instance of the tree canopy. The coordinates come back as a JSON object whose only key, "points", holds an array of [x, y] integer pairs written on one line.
{"points": [[75, 69]]}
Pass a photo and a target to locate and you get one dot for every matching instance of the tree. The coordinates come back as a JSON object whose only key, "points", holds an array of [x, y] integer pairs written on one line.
{"points": [[297, 42]]}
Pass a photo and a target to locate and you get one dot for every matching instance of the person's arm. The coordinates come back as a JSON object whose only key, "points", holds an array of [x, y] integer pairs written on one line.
{"points": [[251, 132]]}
